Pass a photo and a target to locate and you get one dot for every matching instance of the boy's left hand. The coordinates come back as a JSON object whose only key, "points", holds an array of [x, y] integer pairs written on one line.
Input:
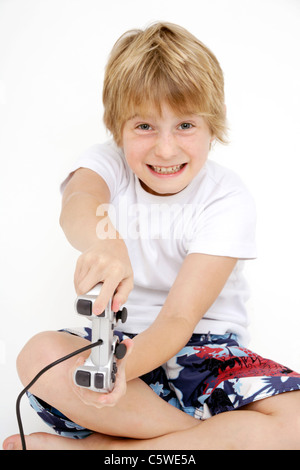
{"points": [[98, 399]]}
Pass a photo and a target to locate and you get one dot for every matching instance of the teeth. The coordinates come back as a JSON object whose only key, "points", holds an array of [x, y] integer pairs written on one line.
{"points": [[166, 171]]}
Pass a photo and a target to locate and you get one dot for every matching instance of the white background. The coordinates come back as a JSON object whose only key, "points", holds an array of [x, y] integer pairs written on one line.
{"points": [[52, 58]]}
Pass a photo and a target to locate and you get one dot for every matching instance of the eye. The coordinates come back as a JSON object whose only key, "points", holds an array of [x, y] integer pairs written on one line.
{"points": [[185, 125], [144, 127]]}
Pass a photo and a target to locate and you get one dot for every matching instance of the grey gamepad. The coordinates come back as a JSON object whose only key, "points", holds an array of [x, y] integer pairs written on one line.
{"points": [[98, 373]]}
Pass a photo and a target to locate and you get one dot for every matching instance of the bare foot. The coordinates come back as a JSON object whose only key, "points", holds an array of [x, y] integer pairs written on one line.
{"points": [[45, 441]]}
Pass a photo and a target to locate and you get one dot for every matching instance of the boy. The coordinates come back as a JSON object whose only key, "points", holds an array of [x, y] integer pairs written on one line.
{"points": [[167, 232]]}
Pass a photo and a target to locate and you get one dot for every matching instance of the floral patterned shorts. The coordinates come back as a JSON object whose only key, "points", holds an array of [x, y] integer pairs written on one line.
{"points": [[210, 375]]}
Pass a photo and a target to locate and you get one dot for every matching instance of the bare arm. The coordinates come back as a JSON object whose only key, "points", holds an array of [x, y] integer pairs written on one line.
{"points": [[198, 284], [83, 194], [102, 260]]}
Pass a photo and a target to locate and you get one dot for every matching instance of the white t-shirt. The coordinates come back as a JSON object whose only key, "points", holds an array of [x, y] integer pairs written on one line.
{"points": [[214, 214]]}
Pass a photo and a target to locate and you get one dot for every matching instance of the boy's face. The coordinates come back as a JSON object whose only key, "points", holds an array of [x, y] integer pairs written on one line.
{"points": [[166, 152]]}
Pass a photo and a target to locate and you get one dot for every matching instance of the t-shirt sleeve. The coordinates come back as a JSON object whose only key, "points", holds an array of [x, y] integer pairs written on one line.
{"points": [[108, 162], [225, 226]]}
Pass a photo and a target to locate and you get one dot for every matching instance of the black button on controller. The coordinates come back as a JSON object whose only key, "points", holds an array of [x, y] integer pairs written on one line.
{"points": [[83, 378], [98, 380], [84, 307]]}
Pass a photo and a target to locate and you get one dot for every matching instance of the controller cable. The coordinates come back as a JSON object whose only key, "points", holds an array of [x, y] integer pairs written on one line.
{"points": [[49, 366]]}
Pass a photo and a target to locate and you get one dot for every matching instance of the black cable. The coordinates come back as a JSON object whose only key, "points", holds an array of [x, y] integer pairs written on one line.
{"points": [[58, 361]]}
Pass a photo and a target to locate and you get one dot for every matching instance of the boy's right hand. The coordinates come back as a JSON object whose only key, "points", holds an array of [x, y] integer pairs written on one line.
{"points": [[105, 261]]}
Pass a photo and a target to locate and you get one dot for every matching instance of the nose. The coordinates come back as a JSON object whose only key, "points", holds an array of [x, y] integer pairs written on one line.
{"points": [[165, 146]]}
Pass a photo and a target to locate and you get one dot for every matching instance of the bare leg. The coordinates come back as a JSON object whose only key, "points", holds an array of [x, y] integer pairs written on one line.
{"points": [[139, 414], [270, 424], [150, 423]]}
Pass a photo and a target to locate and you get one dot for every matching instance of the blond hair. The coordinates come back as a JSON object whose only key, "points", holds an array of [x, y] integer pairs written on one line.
{"points": [[163, 63]]}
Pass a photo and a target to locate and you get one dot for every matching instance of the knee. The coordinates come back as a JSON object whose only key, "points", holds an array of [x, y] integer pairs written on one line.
{"points": [[36, 354]]}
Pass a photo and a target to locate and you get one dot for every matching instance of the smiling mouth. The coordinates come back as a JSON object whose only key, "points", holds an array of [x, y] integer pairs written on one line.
{"points": [[166, 170]]}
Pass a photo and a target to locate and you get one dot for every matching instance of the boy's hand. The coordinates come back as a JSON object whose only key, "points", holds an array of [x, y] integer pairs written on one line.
{"points": [[98, 399], [106, 261]]}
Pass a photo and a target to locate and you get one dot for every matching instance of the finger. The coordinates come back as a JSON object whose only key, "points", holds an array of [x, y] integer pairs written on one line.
{"points": [[98, 399], [91, 398], [81, 272], [121, 363], [112, 398], [89, 280], [77, 274], [88, 397], [107, 291], [129, 343], [121, 294]]}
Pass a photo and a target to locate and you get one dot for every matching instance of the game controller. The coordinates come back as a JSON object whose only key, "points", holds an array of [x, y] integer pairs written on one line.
{"points": [[98, 373]]}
